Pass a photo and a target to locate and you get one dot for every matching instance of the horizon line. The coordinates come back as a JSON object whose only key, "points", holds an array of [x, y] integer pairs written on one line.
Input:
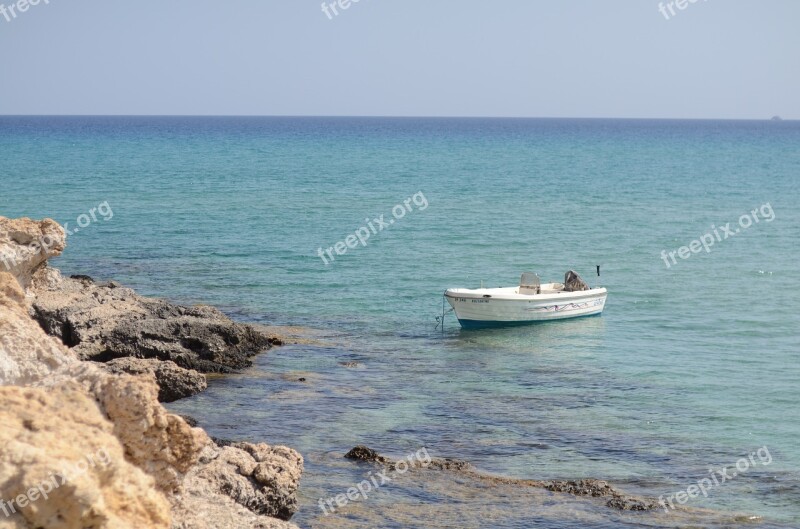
{"points": [[378, 116]]}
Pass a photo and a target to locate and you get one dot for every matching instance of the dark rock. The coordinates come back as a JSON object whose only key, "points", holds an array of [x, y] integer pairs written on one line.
{"points": [[104, 321], [594, 488], [191, 421], [631, 503], [80, 277], [597, 488], [449, 464], [583, 487], [301, 379], [362, 453]]}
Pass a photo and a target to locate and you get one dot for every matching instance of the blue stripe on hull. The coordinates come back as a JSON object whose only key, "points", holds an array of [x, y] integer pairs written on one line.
{"points": [[490, 324]]}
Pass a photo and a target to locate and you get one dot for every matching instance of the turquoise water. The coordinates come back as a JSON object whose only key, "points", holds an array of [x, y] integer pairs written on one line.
{"points": [[690, 367]]}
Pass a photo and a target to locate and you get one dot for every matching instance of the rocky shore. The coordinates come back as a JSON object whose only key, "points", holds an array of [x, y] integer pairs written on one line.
{"points": [[85, 441]]}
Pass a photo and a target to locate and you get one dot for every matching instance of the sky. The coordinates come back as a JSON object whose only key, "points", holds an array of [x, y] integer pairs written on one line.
{"points": [[719, 59]]}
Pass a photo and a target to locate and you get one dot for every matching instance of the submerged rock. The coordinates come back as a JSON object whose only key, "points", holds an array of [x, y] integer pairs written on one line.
{"points": [[597, 488], [450, 464], [585, 487]]}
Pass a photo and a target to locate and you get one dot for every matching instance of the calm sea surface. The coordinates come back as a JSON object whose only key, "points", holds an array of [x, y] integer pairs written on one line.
{"points": [[690, 368]]}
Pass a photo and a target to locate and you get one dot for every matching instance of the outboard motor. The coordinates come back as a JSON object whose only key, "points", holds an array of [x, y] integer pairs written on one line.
{"points": [[574, 283]]}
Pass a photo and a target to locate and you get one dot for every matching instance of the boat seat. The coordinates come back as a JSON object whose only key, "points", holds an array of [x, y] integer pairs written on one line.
{"points": [[530, 284]]}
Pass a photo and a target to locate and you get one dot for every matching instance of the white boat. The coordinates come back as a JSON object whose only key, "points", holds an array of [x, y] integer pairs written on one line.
{"points": [[529, 302]]}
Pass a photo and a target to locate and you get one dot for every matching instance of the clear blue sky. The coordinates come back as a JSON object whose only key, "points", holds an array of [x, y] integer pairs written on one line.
{"points": [[556, 58]]}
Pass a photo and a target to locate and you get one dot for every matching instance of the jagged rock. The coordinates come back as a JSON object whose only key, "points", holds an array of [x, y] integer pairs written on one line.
{"points": [[262, 478], [583, 487], [450, 464], [597, 488], [362, 453], [62, 431], [174, 382], [222, 442], [160, 443], [35, 355], [632, 503], [25, 246], [104, 321], [69, 407]]}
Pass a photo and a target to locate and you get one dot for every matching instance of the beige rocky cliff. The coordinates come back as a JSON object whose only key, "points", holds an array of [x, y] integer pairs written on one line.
{"points": [[84, 447], [26, 245]]}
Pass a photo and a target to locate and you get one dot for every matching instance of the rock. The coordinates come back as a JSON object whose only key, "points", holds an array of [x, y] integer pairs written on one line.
{"points": [[261, 478], [158, 442], [450, 464], [585, 487], [26, 356], [174, 382], [25, 246], [191, 421], [362, 453], [62, 431], [222, 442], [156, 470], [598, 488], [632, 503], [102, 322]]}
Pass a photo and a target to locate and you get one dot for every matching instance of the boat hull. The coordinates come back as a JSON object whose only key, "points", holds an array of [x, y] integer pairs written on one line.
{"points": [[480, 309]]}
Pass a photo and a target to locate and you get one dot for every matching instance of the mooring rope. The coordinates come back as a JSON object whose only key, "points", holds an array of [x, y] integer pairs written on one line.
{"points": [[440, 319]]}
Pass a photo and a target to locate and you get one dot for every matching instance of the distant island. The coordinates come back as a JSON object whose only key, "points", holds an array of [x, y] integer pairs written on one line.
{"points": [[776, 118]]}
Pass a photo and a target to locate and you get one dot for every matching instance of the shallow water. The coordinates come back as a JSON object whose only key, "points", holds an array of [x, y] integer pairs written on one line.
{"points": [[689, 368]]}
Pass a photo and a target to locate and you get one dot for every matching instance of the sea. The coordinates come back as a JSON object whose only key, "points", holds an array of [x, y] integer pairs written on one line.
{"points": [[349, 229]]}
